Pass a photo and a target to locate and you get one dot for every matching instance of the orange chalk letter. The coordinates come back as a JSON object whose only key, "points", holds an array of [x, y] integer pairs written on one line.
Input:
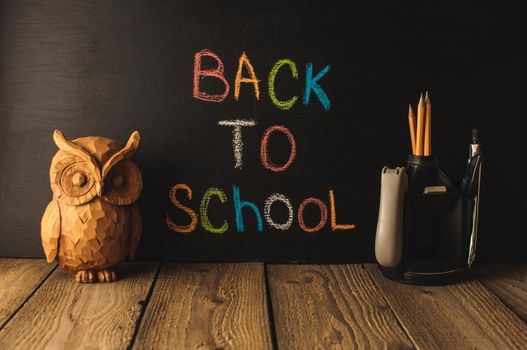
{"points": [[193, 217], [334, 225], [244, 61]]}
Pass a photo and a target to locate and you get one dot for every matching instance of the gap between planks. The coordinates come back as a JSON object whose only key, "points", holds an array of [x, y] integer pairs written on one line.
{"points": [[63, 313], [463, 315], [269, 302]]}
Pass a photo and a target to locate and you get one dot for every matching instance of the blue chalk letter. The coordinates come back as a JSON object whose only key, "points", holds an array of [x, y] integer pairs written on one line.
{"points": [[311, 84], [238, 206]]}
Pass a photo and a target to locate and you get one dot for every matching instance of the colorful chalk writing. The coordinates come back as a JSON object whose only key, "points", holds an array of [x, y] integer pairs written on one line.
{"points": [[263, 148], [204, 206], [251, 208], [246, 207], [193, 217], [244, 62], [237, 143], [323, 214], [311, 82], [287, 104], [278, 197], [214, 73], [334, 225], [239, 205], [312, 85]]}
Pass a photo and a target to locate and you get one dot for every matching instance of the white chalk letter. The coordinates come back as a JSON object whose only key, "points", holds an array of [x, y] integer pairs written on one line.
{"points": [[267, 211], [237, 143]]}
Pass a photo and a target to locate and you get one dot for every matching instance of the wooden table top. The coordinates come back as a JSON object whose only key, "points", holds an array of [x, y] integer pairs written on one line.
{"points": [[158, 305]]}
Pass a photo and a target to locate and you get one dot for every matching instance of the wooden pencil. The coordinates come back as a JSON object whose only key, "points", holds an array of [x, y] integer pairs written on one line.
{"points": [[428, 127], [420, 127], [411, 124]]}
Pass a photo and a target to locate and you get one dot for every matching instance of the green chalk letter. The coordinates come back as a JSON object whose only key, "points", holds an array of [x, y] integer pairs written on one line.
{"points": [[285, 105], [205, 222]]}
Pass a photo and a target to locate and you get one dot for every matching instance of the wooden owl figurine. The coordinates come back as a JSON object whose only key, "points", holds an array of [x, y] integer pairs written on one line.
{"points": [[92, 223]]}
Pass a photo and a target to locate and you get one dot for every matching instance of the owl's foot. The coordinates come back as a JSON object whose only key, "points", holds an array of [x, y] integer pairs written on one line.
{"points": [[85, 276], [106, 276]]}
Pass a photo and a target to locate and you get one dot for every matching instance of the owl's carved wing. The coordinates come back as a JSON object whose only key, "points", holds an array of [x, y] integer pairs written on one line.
{"points": [[50, 230], [135, 231]]}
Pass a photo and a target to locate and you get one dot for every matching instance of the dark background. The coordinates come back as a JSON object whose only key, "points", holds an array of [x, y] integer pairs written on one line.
{"points": [[107, 68]]}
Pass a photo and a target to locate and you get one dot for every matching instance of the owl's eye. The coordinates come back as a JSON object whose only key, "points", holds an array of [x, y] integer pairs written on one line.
{"points": [[72, 180], [118, 180], [79, 179], [124, 183]]}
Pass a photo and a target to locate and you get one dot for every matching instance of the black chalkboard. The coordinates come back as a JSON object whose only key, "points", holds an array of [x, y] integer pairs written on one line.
{"points": [[108, 68]]}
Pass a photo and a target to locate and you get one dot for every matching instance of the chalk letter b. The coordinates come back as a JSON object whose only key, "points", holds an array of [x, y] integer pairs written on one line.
{"points": [[216, 73]]}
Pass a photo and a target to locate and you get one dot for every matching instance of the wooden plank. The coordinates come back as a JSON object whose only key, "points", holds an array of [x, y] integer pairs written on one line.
{"points": [[508, 282], [19, 278], [207, 306], [331, 306], [460, 316], [65, 314]]}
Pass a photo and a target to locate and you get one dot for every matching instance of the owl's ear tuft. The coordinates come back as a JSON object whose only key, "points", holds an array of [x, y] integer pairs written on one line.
{"points": [[72, 148], [59, 138], [133, 142], [127, 152]]}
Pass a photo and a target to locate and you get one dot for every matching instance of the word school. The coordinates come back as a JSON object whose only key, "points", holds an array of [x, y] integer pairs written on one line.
{"points": [[239, 204], [311, 86]]}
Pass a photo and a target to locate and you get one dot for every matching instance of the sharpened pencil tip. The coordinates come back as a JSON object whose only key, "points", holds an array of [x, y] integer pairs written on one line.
{"points": [[427, 98], [421, 99]]}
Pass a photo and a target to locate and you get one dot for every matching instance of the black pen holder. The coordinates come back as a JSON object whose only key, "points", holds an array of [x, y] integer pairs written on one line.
{"points": [[436, 227]]}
